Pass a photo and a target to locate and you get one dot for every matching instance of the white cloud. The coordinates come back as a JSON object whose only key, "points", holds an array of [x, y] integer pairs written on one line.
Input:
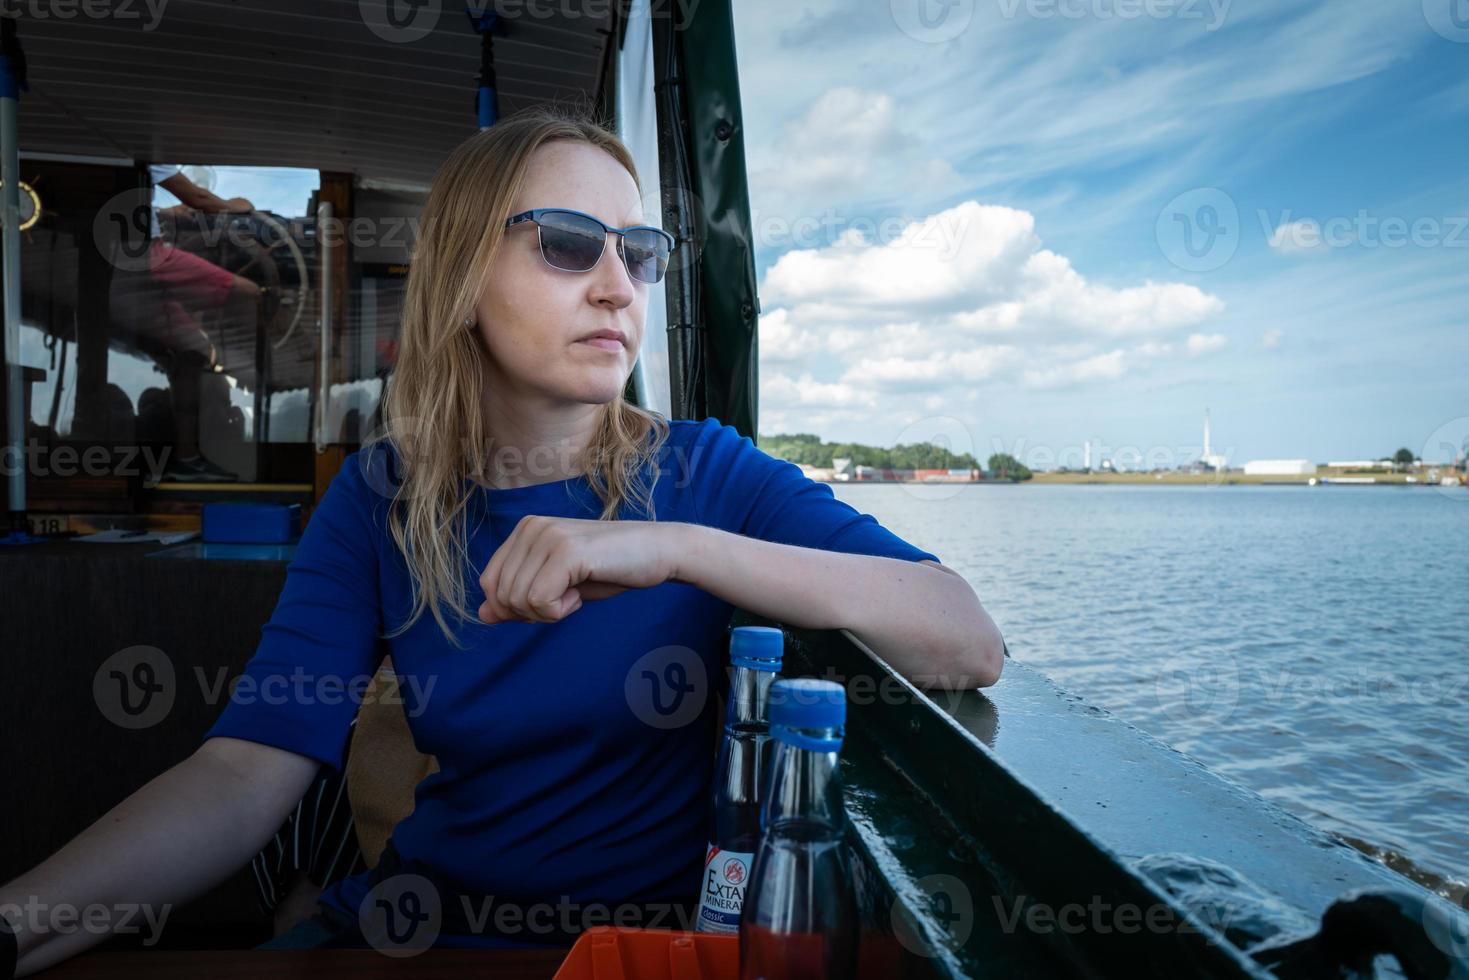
{"points": [[983, 268], [803, 404], [1014, 99], [1091, 125], [1299, 238], [780, 342], [1204, 343], [848, 143], [956, 367], [1103, 367], [945, 262], [805, 390], [963, 300]]}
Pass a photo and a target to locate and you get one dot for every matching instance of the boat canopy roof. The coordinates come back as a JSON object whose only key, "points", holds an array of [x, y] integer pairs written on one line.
{"points": [[327, 85]]}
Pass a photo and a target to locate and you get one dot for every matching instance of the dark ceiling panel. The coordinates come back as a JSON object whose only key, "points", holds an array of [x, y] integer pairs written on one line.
{"points": [[288, 83]]}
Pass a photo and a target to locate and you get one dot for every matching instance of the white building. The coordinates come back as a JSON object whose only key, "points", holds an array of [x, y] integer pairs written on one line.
{"points": [[1280, 467], [1211, 459]]}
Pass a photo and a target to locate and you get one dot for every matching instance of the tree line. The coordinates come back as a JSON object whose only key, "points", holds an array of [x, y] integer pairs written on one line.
{"points": [[805, 448], [802, 447]]}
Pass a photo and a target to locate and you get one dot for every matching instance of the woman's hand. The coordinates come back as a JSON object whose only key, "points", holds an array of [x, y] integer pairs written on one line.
{"points": [[549, 565]]}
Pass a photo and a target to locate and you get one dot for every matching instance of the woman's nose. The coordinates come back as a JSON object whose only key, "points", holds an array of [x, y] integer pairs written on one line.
{"points": [[611, 282]]}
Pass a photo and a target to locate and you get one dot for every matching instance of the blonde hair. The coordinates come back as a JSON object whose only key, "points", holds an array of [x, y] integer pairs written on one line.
{"points": [[433, 409]]}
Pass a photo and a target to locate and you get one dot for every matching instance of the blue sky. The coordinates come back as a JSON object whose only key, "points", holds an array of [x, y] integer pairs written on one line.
{"points": [[1039, 164], [284, 190]]}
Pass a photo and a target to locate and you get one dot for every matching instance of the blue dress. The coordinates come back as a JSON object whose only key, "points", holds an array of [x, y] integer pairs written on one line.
{"points": [[576, 757]]}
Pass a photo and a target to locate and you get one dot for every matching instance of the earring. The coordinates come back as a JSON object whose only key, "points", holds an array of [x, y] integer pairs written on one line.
{"points": [[468, 322]]}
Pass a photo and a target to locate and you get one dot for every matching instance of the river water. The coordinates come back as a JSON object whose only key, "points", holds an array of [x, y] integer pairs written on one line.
{"points": [[1311, 644]]}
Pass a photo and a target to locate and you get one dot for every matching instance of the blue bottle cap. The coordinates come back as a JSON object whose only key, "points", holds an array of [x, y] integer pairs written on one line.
{"points": [[757, 647], [803, 702]]}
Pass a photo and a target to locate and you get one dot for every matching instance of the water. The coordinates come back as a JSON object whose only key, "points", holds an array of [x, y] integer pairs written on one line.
{"points": [[1311, 644]]}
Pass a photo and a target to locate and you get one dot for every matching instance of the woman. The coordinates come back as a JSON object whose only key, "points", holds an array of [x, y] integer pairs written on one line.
{"points": [[552, 570]]}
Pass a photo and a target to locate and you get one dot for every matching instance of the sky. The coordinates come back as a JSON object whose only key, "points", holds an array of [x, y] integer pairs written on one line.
{"points": [[1026, 224], [283, 190]]}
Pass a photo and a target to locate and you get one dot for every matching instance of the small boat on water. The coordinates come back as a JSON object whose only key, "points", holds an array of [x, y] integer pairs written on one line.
{"points": [[1009, 831]]}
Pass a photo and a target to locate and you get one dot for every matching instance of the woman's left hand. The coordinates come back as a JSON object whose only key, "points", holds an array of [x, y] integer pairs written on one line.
{"points": [[548, 566]]}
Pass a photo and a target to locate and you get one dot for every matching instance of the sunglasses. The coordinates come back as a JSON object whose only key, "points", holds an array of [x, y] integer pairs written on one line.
{"points": [[574, 242]]}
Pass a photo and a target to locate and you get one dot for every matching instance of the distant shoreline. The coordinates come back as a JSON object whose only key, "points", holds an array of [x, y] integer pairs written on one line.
{"points": [[1178, 479], [1242, 479]]}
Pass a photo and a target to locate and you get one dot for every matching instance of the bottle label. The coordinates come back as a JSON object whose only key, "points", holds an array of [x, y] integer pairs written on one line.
{"points": [[725, 876]]}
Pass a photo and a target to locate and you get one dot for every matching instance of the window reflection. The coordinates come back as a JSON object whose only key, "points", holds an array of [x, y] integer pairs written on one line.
{"points": [[176, 308]]}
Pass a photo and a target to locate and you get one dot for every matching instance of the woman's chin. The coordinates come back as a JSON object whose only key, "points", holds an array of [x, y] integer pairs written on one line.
{"points": [[601, 390]]}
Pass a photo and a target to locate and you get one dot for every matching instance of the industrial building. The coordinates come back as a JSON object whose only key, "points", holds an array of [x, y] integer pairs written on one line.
{"points": [[1280, 467]]}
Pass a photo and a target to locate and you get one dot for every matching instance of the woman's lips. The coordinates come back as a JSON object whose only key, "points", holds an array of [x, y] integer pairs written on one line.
{"points": [[605, 343]]}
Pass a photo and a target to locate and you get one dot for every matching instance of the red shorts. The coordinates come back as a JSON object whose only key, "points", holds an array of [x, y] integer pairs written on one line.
{"points": [[197, 281], [161, 302]]}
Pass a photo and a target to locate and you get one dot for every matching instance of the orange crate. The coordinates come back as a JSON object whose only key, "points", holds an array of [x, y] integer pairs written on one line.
{"points": [[611, 953]]}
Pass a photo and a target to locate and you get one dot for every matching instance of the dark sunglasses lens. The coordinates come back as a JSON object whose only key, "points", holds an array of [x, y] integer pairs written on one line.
{"points": [[571, 242], [646, 254]]}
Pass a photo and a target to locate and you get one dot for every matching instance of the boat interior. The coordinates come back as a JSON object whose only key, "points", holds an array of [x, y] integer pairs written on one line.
{"points": [[960, 802]]}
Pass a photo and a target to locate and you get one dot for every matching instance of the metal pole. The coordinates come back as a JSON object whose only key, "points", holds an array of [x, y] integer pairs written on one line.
{"points": [[11, 67], [324, 236], [487, 97], [685, 321]]}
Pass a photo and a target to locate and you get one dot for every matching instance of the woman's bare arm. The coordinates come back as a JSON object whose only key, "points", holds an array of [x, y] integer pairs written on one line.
{"points": [[175, 838], [921, 617]]}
